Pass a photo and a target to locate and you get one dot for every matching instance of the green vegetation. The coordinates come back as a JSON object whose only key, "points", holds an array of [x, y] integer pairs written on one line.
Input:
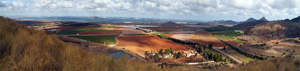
{"points": [[208, 53], [161, 35], [25, 49], [227, 35], [107, 39], [68, 32], [96, 30], [213, 29], [239, 41], [75, 31], [77, 24], [107, 26]]}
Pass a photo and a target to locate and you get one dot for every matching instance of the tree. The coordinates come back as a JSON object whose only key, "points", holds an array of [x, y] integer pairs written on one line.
{"points": [[161, 52], [210, 45], [179, 54], [171, 51], [167, 51]]}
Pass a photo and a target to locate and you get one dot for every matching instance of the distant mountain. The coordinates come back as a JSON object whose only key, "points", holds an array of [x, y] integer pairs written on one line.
{"points": [[226, 22], [248, 25], [263, 19], [297, 19], [171, 24], [250, 20]]}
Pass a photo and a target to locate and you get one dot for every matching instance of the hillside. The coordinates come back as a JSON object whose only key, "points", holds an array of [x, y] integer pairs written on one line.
{"points": [[23, 48], [247, 25], [275, 30], [26, 49]]}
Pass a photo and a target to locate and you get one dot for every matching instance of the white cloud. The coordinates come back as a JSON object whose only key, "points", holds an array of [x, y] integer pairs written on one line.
{"points": [[196, 8]]}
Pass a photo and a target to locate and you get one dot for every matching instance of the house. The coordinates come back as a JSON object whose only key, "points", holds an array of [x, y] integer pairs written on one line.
{"points": [[189, 53]]}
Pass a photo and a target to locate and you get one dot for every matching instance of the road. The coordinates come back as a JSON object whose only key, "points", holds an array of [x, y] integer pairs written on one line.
{"points": [[228, 55]]}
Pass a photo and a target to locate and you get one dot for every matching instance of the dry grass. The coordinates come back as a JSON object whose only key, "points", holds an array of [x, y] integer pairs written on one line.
{"points": [[24, 49], [27, 49]]}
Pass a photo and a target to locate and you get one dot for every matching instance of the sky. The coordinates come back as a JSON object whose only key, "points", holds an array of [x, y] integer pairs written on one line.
{"points": [[205, 10]]}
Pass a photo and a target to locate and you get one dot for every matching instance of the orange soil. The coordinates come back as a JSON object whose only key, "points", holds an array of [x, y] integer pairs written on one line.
{"points": [[142, 43], [204, 38], [169, 35], [232, 43]]}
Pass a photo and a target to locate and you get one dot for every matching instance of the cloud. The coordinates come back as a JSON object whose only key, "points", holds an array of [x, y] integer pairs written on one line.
{"points": [[1, 4], [201, 9]]}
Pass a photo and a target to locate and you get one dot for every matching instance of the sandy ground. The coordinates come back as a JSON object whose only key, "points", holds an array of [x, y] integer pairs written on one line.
{"points": [[182, 37], [140, 44], [132, 31], [205, 38]]}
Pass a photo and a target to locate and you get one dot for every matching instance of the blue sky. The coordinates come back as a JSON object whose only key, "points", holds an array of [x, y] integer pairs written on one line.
{"points": [[205, 10]]}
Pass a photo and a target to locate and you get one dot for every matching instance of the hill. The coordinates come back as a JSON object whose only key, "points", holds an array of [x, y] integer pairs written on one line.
{"points": [[26, 49], [297, 19], [23, 48], [263, 19], [247, 25], [275, 30], [250, 20]]}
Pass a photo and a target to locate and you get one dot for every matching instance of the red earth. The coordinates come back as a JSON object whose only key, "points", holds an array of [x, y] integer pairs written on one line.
{"points": [[232, 43], [142, 43], [205, 38], [72, 27]]}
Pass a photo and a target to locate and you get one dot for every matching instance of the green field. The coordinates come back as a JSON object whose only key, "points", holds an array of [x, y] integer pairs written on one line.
{"points": [[219, 29], [75, 31], [97, 30], [161, 34], [227, 35], [68, 32], [107, 26], [238, 41], [104, 39]]}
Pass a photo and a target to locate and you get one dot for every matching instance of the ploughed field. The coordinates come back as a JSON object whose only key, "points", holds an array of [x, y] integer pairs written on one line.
{"points": [[88, 31], [142, 43], [204, 38]]}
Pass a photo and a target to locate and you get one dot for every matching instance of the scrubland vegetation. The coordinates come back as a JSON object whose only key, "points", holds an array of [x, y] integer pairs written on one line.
{"points": [[106, 39], [22, 48], [25, 49]]}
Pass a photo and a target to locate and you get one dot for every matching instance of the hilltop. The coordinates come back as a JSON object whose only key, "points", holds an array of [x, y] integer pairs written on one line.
{"points": [[24, 48]]}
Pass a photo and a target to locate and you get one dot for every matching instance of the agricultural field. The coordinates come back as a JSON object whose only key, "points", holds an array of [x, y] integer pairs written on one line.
{"points": [[132, 31], [214, 29], [104, 39], [85, 31], [205, 38], [142, 43], [237, 55], [162, 35], [228, 36], [182, 37]]}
